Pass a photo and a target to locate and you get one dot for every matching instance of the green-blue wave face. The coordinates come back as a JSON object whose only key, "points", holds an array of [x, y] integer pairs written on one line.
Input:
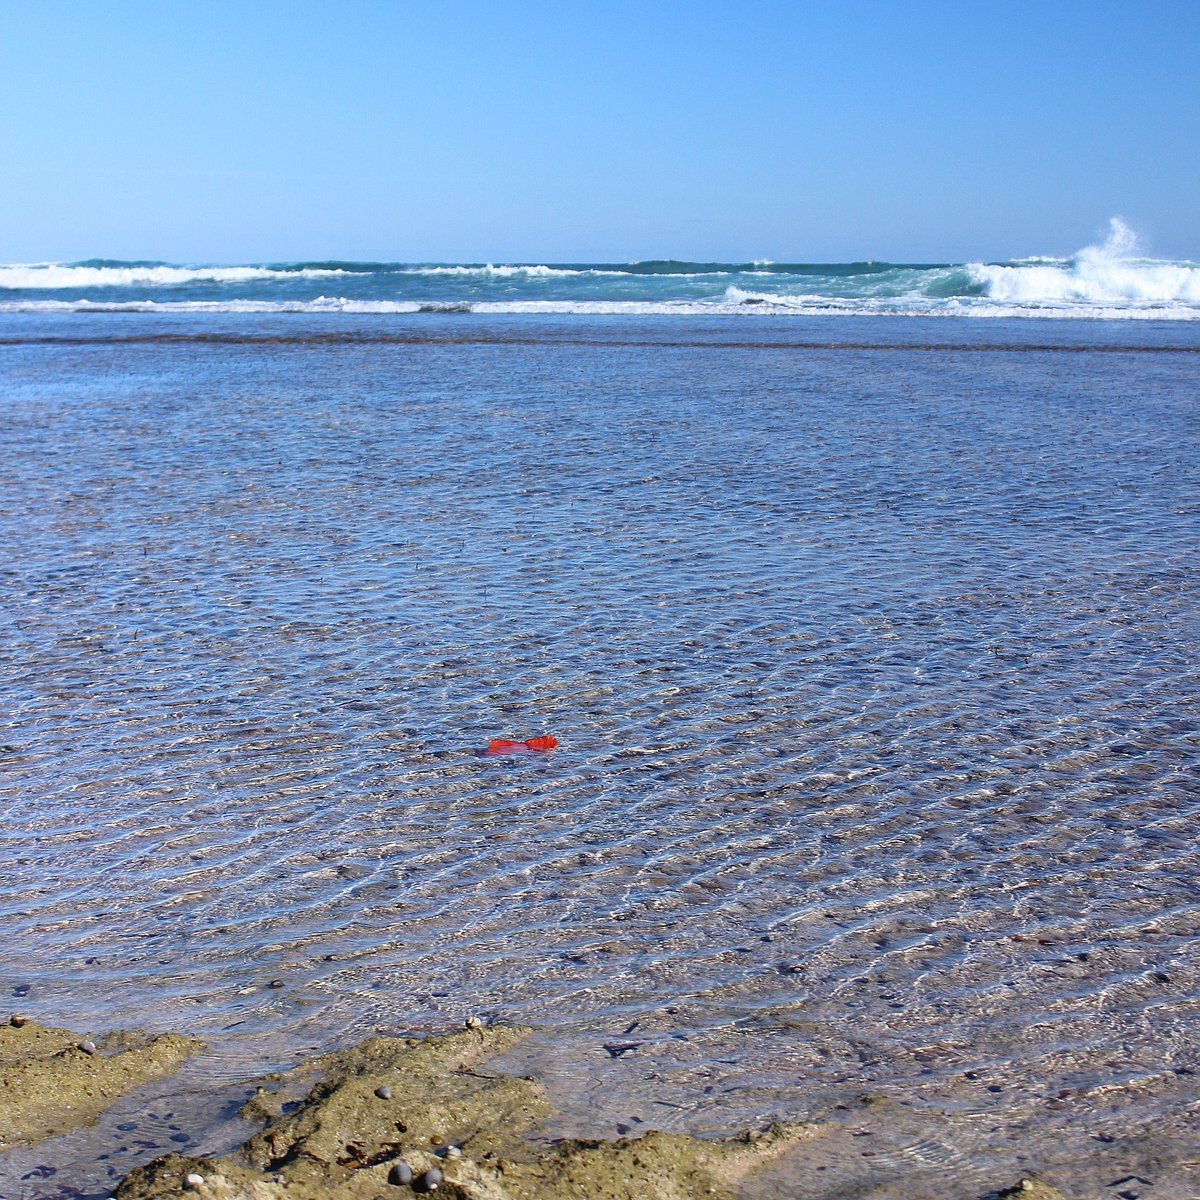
{"points": [[1094, 283]]}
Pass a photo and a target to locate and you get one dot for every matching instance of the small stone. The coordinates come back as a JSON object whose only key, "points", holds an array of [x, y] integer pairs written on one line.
{"points": [[450, 1151], [17, 1021], [617, 1049], [473, 1023], [193, 1182], [384, 1093], [275, 983], [401, 1173], [430, 1181], [88, 1047], [1027, 1185]]}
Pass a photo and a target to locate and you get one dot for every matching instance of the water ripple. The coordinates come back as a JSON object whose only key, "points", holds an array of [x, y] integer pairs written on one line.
{"points": [[875, 684]]}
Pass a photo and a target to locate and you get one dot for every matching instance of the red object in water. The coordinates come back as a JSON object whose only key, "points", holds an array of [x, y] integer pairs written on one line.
{"points": [[505, 746]]}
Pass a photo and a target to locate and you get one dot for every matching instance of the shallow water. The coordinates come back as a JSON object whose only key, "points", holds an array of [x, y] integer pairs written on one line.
{"points": [[871, 648]]}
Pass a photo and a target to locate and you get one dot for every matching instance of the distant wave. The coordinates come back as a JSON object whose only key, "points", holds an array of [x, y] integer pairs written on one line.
{"points": [[58, 276], [651, 267], [509, 271], [1112, 281]]}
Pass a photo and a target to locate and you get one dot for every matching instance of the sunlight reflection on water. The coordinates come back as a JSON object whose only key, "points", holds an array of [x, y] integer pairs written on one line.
{"points": [[873, 673]]}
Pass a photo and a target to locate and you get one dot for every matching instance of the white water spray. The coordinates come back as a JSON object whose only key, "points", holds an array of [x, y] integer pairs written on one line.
{"points": [[1112, 274]]}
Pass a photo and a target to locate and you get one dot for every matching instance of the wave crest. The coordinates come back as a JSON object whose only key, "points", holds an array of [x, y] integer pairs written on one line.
{"points": [[507, 271], [56, 276], [1111, 274]]}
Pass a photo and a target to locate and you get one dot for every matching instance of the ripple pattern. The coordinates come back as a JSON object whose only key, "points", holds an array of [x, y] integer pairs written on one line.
{"points": [[874, 673]]}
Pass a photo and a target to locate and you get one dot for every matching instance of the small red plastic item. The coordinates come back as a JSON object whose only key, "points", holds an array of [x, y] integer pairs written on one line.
{"points": [[505, 746]]}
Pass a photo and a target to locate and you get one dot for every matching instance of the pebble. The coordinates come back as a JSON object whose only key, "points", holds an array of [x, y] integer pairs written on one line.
{"points": [[88, 1047], [384, 1093], [275, 983], [400, 1173], [616, 1049], [17, 1021], [473, 1023], [450, 1152], [430, 1181], [193, 1182]]}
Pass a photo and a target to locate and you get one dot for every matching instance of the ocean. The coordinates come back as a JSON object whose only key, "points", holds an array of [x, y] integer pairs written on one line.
{"points": [[1112, 281], [870, 641]]}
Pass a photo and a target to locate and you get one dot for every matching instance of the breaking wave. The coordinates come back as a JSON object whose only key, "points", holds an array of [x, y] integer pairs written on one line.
{"points": [[1114, 280], [1113, 275], [58, 276], [513, 271]]}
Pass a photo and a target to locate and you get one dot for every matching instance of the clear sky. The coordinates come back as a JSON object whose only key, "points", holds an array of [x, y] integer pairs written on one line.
{"points": [[210, 131]]}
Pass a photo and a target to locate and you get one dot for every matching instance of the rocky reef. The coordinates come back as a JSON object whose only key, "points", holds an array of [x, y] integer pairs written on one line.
{"points": [[53, 1080], [396, 1115]]}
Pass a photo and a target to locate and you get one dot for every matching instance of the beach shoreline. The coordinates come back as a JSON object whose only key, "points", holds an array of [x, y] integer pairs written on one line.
{"points": [[390, 1116]]}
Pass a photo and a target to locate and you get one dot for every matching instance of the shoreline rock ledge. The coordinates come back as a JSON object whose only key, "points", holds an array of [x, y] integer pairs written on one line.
{"points": [[53, 1081], [397, 1116]]}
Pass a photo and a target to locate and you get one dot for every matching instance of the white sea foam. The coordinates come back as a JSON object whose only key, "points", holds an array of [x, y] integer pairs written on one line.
{"points": [[1091, 283], [54, 276], [503, 271], [542, 271], [735, 295], [322, 304], [771, 306], [1111, 275]]}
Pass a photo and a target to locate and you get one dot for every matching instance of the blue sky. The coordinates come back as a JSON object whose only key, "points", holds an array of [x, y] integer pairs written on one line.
{"points": [[607, 131]]}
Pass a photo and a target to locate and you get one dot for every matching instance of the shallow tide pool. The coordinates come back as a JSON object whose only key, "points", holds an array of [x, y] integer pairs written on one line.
{"points": [[871, 648]]}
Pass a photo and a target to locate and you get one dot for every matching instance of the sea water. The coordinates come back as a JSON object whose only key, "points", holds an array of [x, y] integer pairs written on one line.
{"points": [[1112, 281], [870, 644]]}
